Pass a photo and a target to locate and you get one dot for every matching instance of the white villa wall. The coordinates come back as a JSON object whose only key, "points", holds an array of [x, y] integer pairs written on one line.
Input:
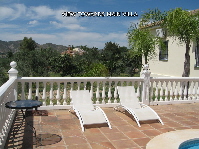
{"points": [[174, 66]]}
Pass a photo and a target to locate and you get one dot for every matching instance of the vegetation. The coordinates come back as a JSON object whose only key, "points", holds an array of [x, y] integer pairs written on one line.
{"points": [[142, 42], [32, 61], [179, 24]]}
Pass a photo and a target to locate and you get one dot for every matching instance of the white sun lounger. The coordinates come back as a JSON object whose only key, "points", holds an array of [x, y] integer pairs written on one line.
{"points": [[84, 109], [130, 102]]}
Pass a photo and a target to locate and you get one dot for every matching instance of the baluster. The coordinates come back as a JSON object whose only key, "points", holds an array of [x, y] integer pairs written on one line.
{"points": [[44, 94], [51, 93], [133, 84], [138, 90], [166, 91], [115, 92], [97, 93], [84, 83], [156, 92], [151, 91], [180, 92], [30, 91], [185, 90], [161, 90], [176, 91], [72, 87], [22, 91], [103, 93], [78, 83], [91, 91], [109, 93], [198, 92], [58, 93], [194, 91], [65, 94], [37, 90], [189, 90], [171, 92]]}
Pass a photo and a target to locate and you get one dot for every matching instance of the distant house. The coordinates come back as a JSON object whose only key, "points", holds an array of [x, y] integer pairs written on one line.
{"points": [[170, 62], [73, 52]]}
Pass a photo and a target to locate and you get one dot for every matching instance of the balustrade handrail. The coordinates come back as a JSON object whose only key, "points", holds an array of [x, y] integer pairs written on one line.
{"points": [[174, 78], [6, 86], [7, 93], [72, 79]]}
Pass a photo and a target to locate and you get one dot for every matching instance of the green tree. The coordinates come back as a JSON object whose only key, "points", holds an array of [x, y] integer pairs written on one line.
{"points": [[142, 42], [83, 62], [111, 57], [133, 63], [42, 59], [31, 61], [63, 65], [96, 70], [179, 24], [28, 44], [24, 57]]}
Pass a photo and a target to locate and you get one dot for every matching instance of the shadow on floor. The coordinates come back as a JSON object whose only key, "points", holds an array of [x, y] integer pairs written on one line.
{"points": [[21, 135]]}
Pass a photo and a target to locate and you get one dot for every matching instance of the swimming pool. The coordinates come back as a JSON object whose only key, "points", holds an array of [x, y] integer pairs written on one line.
{"points": [[190, 144], [179, 139]]}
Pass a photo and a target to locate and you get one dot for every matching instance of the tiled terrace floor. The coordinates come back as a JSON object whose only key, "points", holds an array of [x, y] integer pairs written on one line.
{"points": [[61, 129]]}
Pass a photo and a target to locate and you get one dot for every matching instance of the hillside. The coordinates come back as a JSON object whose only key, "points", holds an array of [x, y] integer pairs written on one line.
{"points": [[13, 46]]}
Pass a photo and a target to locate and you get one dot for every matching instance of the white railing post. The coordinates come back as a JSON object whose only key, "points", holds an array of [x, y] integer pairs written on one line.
{"points": [[146, 85], [13, 74]]}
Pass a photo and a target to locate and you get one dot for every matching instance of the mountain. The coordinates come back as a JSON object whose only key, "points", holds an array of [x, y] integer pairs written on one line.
{"points": [[9, 46], [13, 46]]}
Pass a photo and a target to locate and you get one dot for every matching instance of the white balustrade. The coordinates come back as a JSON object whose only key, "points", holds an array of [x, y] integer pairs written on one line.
{"points": [[170, 90], [7, 93], [54, 91]]}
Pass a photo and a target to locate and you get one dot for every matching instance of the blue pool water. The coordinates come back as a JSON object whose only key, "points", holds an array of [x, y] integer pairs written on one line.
{"points": [[190, 144]]}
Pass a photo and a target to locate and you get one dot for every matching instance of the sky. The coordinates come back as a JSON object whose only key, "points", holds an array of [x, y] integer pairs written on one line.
{"points": [[43, 20]]}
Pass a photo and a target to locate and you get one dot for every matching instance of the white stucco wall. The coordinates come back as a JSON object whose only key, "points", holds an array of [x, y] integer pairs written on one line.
{"points": [[175, 65]]}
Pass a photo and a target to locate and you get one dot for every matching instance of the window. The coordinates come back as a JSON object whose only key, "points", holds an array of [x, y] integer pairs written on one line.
{"points": [[197, 53], [163, 53]]}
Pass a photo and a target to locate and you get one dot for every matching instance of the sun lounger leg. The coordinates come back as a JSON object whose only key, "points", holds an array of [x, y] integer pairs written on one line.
{"points": [[109, 125], [161, 121]]}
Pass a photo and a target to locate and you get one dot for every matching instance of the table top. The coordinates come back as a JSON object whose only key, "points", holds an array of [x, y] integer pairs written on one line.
{"points": [[23, 104]]}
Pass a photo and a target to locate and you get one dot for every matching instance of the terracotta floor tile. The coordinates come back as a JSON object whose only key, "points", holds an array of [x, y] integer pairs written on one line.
{"points": [[116, 136], [69, 126], [102, 145], [126, 128], [125, 132], [96, 138], [80, 146], [145, 127], [135, 134], [92, 131], [72, 132], [173, 124], [164, 130], [182, 128], [75, 140], [119, 122], [122, 144], [157, 125], [188, 123], [151, 132], [108, 130], [195, 127], [141, 141]]}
